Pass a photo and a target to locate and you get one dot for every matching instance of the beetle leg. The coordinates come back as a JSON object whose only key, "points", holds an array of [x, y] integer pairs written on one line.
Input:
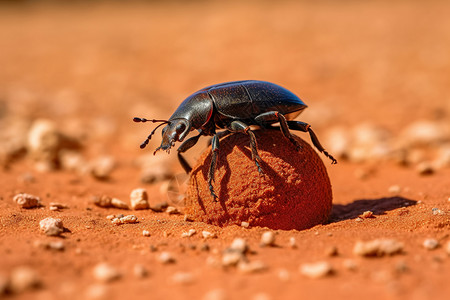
{"points": [[276, 116], [186, 145], [220, 134], [238, 126], [212, 166], [305, 127]]}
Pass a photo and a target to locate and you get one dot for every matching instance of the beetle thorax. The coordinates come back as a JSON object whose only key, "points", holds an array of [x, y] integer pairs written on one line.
{"points": [[197, 109]]}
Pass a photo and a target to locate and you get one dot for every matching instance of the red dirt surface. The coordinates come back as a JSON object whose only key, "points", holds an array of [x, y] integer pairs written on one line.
{"points": [[293, 193], [90, 68]]}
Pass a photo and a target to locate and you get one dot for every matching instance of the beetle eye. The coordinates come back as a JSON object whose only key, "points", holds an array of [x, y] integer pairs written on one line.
{"points": [[180, 128]]}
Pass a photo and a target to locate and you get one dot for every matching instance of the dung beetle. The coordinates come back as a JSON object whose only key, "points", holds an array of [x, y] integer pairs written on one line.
{"points": [[234, 107]]}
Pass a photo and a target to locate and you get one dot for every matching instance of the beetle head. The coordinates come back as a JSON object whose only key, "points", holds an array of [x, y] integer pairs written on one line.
{"points": [[175, 131]]}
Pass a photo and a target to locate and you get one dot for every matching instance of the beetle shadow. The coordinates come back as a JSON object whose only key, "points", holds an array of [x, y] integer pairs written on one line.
{"points": [[342, 212]]}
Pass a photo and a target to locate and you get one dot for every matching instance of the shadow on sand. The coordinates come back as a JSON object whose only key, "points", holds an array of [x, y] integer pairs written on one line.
{"points": [[341, 212]]}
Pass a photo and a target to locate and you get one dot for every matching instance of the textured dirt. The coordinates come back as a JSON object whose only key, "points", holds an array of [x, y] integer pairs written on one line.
{"points": [[293, 193], [90, 68]]}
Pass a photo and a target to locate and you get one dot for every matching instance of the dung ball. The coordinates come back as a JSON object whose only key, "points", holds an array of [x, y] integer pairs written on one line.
{"points": [[294, 191]]}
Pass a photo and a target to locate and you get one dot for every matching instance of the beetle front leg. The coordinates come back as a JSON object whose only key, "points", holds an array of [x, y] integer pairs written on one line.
{"points": [[186, 145], [212, 166], [239, 126], [305, 127]]}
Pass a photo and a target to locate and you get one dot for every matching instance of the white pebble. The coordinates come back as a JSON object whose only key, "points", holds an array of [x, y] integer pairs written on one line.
{"points": [[437, 212], [245, 224], [140, 271], [117, 203], [190, 233], [27, 200], [146, 233], [139, 199], [102, 167], [394, 189], [104, 272], [239, 245], [171, 210], [231, 258], [166, 258], [292, 242], [23, 278], [431, 244], [51, 226], [252, 267], [316, 270], [129, 219], [267, 239], [208, 235], [183, 278], [378, 247]]}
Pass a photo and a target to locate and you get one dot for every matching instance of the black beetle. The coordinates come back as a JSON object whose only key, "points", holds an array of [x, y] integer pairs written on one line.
{"points": [[232, 106]]}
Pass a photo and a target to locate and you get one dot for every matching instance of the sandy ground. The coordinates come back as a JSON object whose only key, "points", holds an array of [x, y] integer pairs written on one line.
{"points": [[90, 68]]}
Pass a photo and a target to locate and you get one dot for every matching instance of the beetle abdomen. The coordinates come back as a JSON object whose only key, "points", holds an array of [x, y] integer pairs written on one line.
{"points": [[247, 99]]}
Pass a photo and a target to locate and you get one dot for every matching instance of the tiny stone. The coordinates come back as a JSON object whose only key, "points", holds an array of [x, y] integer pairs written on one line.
{"points": [[292, 242], [284, 275], [119, 204], [146, 233], [57, 245], [116, 221], [139, 199], [208, 235], [231, 258], [316, 270], [166, 258], [172, 210], [204, 247], [102, 167], [140, 271], [51, 227], [425, 168], [188, 218], [27, 200], [102, 201], [251, 267], [120, 216], [267, 239], [378, 247], [245, 224], [367, 214], [217, 294], [394, 189], [110, 217], [53, 208], [358, 219], [130, 219], [104, 272], [183, 278], [57, 205], [239, 245], [23, 278], [431, 244], [331, 251], [437, 212], [190, 233], [350, 264], [159, 207]]}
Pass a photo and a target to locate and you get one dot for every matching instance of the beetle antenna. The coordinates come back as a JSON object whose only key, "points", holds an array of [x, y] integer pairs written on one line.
{"points": [[143, 120]]}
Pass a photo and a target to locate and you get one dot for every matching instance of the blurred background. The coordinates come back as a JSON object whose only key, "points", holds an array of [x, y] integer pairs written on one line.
{"points": [[368, 70]]}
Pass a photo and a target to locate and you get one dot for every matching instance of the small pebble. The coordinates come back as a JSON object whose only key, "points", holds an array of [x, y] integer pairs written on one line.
{"points": [[140, 271], [292, 242], [27, 200], [267, 239], [146, 233], [378, 247], [251, 267], [437, 212], [55, 245], [239, 245], [130, 219], [245, 224], [231, 258], [23, 278], [110, 217], [139, 199], [102, 201], [208, 235], [166, 258], [425, 168], [183, 278], [316, 270], [104, 272], [117, 203], [216, 294], [51, 226], [101, 168], [171, 210], [430, 244], [367, 214], [394, 189], [358, 219], [190, 233], [331, 251], [188, 218], [159, 207]]}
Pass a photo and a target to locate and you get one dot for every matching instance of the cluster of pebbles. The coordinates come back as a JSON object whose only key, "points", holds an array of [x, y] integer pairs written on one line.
{"points": [[423, 144]]}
